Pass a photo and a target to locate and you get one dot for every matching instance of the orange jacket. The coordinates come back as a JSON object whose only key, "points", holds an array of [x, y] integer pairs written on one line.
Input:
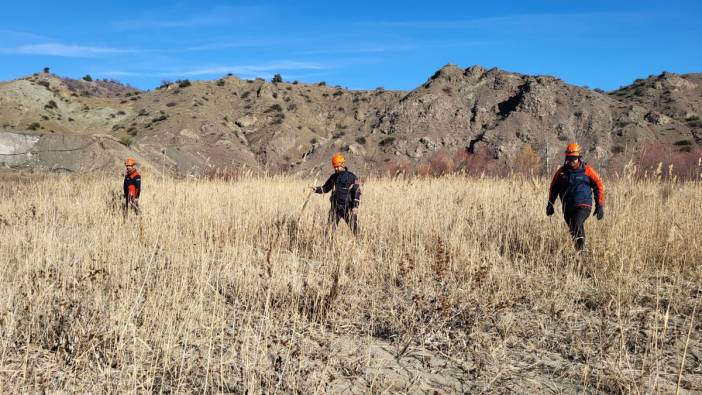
{"points": [[575, 186], [132, 185]]}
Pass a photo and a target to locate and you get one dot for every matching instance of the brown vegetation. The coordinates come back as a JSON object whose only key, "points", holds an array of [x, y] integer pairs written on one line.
{"points": [[455, 285]]}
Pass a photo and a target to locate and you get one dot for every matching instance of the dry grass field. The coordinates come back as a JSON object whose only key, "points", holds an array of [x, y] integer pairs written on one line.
{"points": [[456, 285]]}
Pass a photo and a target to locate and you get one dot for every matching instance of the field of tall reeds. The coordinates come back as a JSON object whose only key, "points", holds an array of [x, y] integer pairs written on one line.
{"points": [[454, 285]]}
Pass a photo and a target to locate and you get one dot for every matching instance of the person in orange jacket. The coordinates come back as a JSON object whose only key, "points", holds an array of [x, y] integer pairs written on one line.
{"points": [[574, 183], [132, 186]]}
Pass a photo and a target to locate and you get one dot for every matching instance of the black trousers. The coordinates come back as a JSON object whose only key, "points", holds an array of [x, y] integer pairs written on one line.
{"points": [[575, 218], [336, 215]]}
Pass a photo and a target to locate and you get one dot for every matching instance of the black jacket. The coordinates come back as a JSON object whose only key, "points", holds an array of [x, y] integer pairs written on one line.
{"points": [[346, 190]]}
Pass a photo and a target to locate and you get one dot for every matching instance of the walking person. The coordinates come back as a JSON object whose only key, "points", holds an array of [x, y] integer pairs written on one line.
{"points": [[132, 186], [575, 183], [346, 194]]}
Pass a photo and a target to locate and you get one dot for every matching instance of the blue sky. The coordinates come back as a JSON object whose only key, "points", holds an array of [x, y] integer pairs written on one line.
{"points": [[359, 44]]}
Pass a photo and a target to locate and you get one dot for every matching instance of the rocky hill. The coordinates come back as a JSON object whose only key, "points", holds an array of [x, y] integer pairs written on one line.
{"points": [[201, 126]]}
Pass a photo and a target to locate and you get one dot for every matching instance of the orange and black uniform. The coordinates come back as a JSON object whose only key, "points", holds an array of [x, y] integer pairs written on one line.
{"points": [[346, 195], [132, 186], [575, 188]]}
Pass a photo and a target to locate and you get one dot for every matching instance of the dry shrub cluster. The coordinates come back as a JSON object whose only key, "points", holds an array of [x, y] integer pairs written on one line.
{"points": [[681, 161], [479, 163], [456, 285], [444, 162]]}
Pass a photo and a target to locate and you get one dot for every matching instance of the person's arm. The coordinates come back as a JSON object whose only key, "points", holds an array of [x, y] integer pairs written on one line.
{"points": [[554, 188], [596, 184], [327, 185], [356, 193], [137, 187]]}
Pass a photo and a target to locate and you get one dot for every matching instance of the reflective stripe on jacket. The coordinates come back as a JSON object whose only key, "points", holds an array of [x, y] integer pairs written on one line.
{"points": [[346, 190]]}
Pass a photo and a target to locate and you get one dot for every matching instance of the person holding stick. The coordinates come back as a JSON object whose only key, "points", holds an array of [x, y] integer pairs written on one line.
{"points": [[346, 194]]}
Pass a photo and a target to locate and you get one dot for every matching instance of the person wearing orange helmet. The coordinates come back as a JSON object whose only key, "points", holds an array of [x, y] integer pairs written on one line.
{"points": [[574, 183], [346, 194], [132, 186]]}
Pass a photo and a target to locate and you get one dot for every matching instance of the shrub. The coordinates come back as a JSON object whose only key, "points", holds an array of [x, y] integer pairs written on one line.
{"points": [[46, 70], [477, 162], [386, 141], [528, 161], [274, 108], [441, 162], [322, 84], [423, 169], [183, 83], [51, 105], [34, 126], [276, 79], [665, 161], [88, 78], [398, 167], [279, 118]]}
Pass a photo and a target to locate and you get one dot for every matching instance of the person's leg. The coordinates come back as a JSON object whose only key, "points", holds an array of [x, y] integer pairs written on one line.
{"points": [[580, 216], [352, 220], [332, 222], [570, 215]]}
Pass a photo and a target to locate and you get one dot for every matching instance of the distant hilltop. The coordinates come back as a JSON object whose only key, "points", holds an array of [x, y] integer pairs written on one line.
{"points": [[197, 127]]}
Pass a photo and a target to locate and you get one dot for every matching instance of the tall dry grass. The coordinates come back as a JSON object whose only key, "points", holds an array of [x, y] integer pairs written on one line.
{"points": [[455, 285]]}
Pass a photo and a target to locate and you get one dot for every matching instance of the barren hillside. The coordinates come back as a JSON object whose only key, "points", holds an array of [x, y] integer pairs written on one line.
{"points": [[196, 127]]}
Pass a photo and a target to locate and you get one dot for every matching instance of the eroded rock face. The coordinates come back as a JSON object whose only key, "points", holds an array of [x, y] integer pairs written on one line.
{"points": [[16, 149], [189, 128]]}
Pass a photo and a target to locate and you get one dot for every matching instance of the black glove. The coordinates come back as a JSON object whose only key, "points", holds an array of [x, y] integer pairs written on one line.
{"points": [[549, 209], [599, 212]]}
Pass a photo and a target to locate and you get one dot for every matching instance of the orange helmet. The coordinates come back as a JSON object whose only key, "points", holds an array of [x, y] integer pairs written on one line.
{"points": [[572, 150], [338, 160], [130, 162]]}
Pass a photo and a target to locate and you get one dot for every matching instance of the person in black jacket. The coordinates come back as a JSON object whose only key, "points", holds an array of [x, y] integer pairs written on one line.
{"points": [[346, 194]]}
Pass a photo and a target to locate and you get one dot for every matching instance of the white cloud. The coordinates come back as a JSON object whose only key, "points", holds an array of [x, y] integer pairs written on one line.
{"points": [[66, 50], [119, 73], [517, 20], [258, 70], [215, 16]]}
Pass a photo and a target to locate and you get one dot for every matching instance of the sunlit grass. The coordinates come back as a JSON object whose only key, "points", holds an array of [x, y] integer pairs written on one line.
{"points": [[455, 284]]}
